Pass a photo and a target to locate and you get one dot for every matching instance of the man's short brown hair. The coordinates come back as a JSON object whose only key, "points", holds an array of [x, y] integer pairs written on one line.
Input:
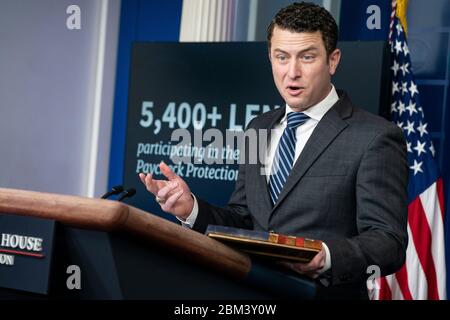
{"points": [[306, 17]]}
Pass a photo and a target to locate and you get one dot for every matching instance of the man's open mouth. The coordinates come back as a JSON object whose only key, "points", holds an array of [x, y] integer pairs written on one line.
{"points": [[294, 90]]}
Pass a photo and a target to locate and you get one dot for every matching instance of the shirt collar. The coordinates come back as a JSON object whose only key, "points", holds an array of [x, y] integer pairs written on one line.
{"points": [[318, 110]]}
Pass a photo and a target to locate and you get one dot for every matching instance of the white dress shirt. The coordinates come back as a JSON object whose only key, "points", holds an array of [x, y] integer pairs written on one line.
{"points": [[303, 132]]}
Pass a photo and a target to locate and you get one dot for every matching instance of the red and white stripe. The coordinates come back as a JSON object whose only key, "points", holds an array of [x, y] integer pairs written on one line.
{"points": [[423, 276], [391, 24]]}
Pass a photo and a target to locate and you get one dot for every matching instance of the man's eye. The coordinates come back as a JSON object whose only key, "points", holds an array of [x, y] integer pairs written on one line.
{"points": [[281, 57], [308, 57]]}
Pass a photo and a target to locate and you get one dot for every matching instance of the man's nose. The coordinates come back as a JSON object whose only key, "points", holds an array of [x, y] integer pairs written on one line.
{"points": [[294, 71]]}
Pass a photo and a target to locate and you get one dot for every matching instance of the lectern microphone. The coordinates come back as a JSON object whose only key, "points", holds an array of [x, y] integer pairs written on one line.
{"points": [[114, 190], [127, 194]]}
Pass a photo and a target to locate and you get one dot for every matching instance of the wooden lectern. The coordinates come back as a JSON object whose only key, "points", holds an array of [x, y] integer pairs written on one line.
{"points": [[126, 253]]}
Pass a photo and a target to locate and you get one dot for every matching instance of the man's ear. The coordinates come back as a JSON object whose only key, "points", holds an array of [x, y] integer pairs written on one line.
{"points": [[333, 61]]}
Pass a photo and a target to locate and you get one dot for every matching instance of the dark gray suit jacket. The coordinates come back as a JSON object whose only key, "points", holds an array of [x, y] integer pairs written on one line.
{"points": [[348, 188]]}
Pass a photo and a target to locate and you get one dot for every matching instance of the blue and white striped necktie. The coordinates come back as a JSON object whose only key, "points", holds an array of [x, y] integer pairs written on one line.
{"points": [[285, 154]]}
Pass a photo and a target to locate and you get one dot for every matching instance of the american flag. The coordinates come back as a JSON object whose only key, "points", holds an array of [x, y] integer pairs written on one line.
{"points": [[423, 276]]}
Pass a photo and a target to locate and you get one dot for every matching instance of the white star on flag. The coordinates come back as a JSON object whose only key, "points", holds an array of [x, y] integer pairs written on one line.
{"points": [[410, 127], [395, 67], [404, 87], [398, 46], [411, 108], [404, 68], [432, 149], [420, 148], [395, 87], [405, 49], [401, 107], [422, 128], [413, 89], [393, 108], [417, 167], [408, 146]]}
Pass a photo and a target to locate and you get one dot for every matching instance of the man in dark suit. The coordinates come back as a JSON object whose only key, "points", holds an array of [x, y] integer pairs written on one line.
{"points": [[334, 172]]}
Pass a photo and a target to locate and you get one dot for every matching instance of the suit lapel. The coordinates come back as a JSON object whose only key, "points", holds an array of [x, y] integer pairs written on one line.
{"points": [[325, 132]]}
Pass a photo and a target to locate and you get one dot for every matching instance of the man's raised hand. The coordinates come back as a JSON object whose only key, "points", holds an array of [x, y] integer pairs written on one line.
{"points": [[173, 194]]}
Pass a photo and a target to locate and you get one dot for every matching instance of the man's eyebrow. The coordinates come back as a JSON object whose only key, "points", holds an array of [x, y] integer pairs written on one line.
{"points": [[279, 50], [310, 48]]}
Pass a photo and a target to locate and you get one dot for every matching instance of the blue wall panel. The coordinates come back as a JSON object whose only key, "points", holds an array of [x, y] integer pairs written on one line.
{"points": [[140, 20], [353, 20]]}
